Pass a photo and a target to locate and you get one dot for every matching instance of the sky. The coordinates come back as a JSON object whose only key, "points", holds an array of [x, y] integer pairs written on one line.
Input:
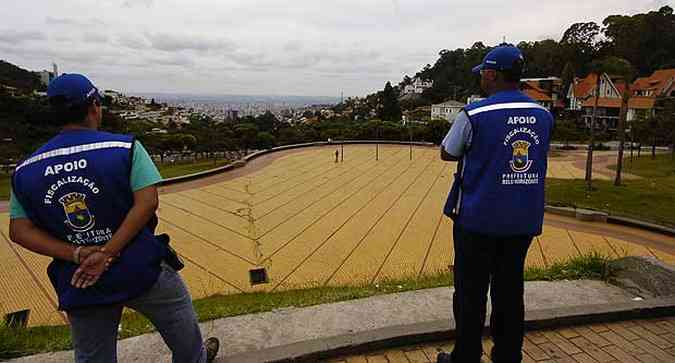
{"points": [[266, 47]]}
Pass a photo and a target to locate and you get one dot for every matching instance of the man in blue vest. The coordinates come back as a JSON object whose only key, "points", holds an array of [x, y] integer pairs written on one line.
{"points": [[88, 199], [497, 204]]}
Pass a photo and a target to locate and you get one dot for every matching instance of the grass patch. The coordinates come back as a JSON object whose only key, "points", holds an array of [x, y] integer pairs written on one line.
{"points": [[184, 168], [19, 342], [651, 198], [592, 266], [661, 167]]}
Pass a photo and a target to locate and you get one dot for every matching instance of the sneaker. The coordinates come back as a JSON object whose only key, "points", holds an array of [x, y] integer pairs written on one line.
{"points": [[443, 358], [212, 345]]}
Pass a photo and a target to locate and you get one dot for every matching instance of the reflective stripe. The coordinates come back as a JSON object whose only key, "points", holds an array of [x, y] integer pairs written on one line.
{"points": [[74, 150], [505, 106], [459, 197]]}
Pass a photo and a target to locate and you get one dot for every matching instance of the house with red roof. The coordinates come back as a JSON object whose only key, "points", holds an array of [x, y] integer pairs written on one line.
{"points": [[644, 91], [660, 84], [545, 91]]}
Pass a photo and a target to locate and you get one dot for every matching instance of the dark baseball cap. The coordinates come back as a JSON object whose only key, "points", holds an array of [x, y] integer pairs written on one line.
{"points": [[76, 89], [501, 58]]}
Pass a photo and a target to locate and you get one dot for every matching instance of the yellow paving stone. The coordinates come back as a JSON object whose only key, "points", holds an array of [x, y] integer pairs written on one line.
{"points": [[349, 227], [396, 205], [441, 251], [20, 291], [227, 266], [351, 197], [412, 244], [227, 238], [534, 257], [556, 245], [235, 220], [624, 248], [591, 243]]}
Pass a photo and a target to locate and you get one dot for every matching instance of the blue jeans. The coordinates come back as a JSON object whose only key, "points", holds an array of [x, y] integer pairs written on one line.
{"points": [[168, 306]]}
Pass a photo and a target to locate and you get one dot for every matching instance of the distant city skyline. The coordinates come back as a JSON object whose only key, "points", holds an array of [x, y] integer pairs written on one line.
{"points": [[265, 47]]}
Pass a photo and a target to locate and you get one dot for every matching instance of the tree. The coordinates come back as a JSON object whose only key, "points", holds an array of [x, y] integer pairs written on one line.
{"points": [[591, 142], [619, 66], [247, 134], [265, 140], [567, 77], [436, 130], [580, 43], [390, 111], [665, 118]]}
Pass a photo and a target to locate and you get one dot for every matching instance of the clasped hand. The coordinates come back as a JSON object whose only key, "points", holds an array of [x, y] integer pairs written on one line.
{"points": [[93, 265]]}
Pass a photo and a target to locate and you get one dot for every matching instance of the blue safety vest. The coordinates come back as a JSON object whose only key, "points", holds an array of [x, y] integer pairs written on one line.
{"points": [[499, 186], [76, 188]]}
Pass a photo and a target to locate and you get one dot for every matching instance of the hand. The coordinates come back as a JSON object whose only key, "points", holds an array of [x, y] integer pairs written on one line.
{"points": [[88, 250], [90, 270]]}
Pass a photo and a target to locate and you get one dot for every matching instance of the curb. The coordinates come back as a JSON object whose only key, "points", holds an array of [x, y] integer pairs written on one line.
{"points": [[242, 162], [629, 222], [598, 216], [439, 330]]}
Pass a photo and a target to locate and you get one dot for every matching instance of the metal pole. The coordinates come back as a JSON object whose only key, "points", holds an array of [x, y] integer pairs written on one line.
{"points": [[410, 132], [377, 144]]}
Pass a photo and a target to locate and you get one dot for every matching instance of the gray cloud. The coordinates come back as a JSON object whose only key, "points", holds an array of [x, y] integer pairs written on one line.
{"points": [[134, 3], [95, 37], [304, 47], [178, 42], [19, 36]]}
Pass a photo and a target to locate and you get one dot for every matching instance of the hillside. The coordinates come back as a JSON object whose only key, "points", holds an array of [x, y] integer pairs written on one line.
{"points": [[13, 76]]}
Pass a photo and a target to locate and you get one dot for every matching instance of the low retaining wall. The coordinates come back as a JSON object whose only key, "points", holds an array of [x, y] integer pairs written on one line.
{"points": [[242, 162]]}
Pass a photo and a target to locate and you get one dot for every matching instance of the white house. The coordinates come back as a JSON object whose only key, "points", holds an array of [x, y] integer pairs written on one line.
{"points": [[474, 98], [447, 110], [417, 86]]}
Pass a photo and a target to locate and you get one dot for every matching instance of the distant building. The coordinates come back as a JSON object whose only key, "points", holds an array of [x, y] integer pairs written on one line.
{"points": [[447, 110], [660, 84], [47, 76], [641, 103], [474, 98], [231, 115], [418, 86], [545, 91]]}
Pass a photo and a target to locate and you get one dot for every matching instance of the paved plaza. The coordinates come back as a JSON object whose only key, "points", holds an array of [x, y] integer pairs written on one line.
{"points": [[627, 341], [309, 221]]}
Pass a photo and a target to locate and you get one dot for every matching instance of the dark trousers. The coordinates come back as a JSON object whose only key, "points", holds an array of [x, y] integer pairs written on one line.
{"points": [[498, 263]]}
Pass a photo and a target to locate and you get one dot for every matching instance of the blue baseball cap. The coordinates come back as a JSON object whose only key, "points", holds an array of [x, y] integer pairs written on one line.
{"points": [[75, 88], [501, 58]]}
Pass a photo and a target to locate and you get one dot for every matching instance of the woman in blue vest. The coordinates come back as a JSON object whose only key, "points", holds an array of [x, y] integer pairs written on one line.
{"points": [[88, 199], [497, 204]]}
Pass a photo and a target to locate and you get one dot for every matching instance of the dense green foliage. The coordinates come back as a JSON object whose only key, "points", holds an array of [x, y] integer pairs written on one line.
{"points": [[647, 41]]}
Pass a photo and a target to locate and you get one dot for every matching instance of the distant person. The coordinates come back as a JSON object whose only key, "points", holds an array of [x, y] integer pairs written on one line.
{"points": [[497, 204], [337, 154], [88, 199]]}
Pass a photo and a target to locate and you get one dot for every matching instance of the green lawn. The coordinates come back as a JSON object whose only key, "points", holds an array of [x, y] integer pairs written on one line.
{"points": [[19, 342], [650, 199], [184, 168]]}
